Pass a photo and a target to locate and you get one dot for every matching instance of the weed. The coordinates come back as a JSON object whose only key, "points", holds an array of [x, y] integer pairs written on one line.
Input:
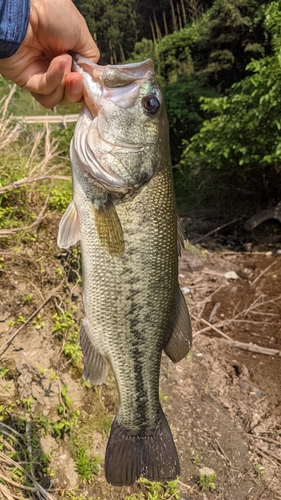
{"points": [[59, 271], [27, 402], [86, 467], [71, 347], [3, 372], [28, 297], [136, 496], [207, 478], [259, 469], [159, 491], [60, 197], [196, 459], [163, 397], [38, 322], [64, 321], [66, 399], [21, 319], [74, 495]]}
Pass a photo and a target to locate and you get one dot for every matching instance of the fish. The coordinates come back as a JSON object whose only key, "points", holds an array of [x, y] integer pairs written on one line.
{"points": [[124, 214]]}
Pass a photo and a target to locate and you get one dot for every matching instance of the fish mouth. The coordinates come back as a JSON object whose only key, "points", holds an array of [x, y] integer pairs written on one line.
{"points": [[108, 163]]}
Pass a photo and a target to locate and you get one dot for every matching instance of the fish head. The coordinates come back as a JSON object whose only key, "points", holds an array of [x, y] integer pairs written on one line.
{"points": [[120, 133]]}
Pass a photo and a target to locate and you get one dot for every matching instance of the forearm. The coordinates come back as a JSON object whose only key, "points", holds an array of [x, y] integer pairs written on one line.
{"points": [[14, 17]]}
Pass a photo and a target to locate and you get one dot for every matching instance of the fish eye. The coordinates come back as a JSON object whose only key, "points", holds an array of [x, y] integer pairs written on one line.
{"points": [[151, 104]]}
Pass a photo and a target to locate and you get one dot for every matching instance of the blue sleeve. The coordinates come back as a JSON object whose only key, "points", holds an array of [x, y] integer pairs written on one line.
{"points": [[14, 17]]}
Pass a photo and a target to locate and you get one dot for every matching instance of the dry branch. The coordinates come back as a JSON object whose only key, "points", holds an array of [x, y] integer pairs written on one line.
{"points": [[30, 180], [213, 327], [268, 452], [263, 272], [267, 440], [234, 319], [251, 347]]}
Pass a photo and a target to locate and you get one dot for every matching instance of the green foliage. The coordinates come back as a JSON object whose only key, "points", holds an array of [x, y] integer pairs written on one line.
{"points": [[259, 469], [61, 196], [207, 481], [65, 324], [86, 467], [157, 491], [113, 25], [244, 133]]}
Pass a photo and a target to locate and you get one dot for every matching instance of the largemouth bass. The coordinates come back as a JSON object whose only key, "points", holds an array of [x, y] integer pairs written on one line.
{"points": [[124, 214]]}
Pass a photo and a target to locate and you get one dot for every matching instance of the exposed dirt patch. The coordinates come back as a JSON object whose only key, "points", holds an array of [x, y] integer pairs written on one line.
{"points": [[223, 403]]}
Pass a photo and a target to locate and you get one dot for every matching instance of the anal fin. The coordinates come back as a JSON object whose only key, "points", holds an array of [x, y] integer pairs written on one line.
{"points": [[180, 341], [69, 227], [95, 366], [109, 228]]}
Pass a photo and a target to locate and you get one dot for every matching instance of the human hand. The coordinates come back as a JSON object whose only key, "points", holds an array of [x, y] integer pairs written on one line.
{"points": [[41, 64]]}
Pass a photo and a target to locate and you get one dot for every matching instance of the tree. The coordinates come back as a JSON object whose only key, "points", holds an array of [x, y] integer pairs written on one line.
{"points": [[244, 135], [113, 26]]}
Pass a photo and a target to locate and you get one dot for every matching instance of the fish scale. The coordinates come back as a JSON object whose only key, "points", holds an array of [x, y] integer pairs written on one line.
{"points": [[127, 228]]}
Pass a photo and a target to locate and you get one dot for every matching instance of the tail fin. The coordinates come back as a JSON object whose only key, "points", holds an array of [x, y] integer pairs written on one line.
{"points": [[152, 454]]}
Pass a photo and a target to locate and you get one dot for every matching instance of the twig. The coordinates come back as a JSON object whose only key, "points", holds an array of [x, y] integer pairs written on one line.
{"points": [[268, 452], [263, 272], [215, 230], [264, 455], [7, 343], [268, 440], [17, 485], [29, 180], [222, 451], [207, 299], [251, 347], [7, 495], [213, 327], [36, 488]]}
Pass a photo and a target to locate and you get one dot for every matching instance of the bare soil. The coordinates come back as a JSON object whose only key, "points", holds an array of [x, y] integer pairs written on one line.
{"points": [[223, 403]]}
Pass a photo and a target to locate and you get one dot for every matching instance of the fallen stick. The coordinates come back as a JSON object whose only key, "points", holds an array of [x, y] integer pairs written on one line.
{"points": [[209, 326], [251, 347], [263, 272], [268, 452], [267, 440], [7, 343]]}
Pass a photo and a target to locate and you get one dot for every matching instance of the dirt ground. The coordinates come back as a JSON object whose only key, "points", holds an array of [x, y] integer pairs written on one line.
{"points": [[223, 402]]}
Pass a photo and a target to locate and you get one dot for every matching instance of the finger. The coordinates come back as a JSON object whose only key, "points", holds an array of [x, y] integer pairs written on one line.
{"points": [[73, 92], [52, 79]]}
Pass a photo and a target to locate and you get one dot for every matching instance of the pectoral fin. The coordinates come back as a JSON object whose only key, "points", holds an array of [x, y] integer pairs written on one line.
{"points": [[180, 341], [95, 366], [69, 227], [109, 228]]}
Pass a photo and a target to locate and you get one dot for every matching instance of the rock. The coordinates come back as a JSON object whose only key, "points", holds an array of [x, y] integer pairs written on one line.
{"points": [[206, 471], [231, 275]]}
